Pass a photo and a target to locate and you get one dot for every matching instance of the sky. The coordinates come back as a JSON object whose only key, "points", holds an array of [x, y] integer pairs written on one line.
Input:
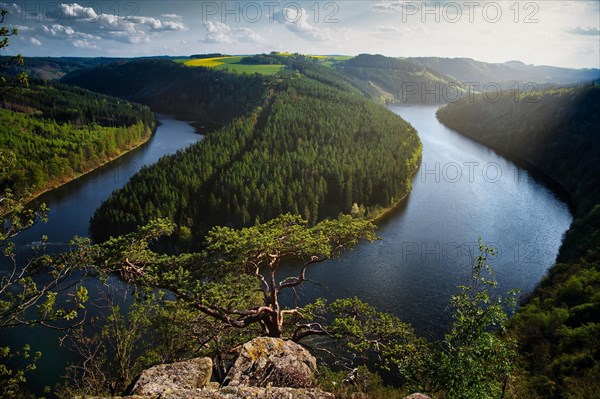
{"points": [[546, 32]]}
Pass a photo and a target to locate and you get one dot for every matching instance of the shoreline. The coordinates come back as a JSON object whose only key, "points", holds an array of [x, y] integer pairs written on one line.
{"points": [[389, 210], [538, 174], [62, 182]]}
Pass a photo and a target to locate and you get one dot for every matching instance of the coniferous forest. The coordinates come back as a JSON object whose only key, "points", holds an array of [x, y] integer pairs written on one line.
{"points": [[309, 149]]}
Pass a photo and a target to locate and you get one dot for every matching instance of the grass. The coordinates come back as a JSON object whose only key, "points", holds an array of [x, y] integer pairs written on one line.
{"points": [[233, 64], [330, 60]]}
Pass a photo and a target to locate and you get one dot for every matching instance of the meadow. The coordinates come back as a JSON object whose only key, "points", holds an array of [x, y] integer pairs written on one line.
{"points": [[235, 64]]}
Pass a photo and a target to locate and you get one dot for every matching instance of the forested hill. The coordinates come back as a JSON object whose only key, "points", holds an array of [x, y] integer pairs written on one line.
{"points": [[51, 133], [559, 325], [468, 70], [311, 149], [211, 98], [51, 68], [400, 80]]}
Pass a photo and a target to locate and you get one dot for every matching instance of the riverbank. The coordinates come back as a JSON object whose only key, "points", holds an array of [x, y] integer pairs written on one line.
{"points": [[543, 177], [384, 213], [148, 134]]}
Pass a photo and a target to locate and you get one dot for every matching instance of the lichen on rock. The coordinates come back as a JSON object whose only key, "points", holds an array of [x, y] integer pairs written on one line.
{"points": [[273, 362], [165, 378]]}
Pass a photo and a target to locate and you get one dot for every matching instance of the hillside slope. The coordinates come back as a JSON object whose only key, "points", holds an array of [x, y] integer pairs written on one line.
{"points": [[211, 98], [52, 133], [400, 80], [468, 70]]}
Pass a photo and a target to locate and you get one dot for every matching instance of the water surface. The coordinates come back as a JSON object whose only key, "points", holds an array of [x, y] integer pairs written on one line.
{"points": [[463, 191]]}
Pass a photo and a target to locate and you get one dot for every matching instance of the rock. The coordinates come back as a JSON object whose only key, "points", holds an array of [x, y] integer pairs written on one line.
{"points": [[417, 396], [240, 392], [269, 393], [273, 362], [165, 378]]}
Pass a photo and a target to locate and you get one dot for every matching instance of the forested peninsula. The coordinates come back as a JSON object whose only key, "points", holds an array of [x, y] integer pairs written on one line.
{"points": [[559, 323], [316, 148]]}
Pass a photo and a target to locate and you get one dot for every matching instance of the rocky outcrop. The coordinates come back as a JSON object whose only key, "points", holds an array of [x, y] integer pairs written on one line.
{"points": [[273, 362], [266, 368], [165, 378], [240, 392], [417, 396]]}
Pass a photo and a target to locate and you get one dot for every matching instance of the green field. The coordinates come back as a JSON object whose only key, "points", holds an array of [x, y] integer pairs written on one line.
{"points": [[329, 60], [233, 64]]}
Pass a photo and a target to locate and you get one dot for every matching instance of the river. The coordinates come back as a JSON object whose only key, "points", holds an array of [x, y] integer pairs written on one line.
{"points": [[462, 191]]}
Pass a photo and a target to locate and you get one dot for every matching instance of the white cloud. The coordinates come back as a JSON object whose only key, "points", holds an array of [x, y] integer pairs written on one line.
{"points": [[77, 11], [129, 37], [61, 32], [58, 30], [86, 27], [219, 32], [84, 44], [404, 29], [388, 5], [156, 24], [172, 16], [388, 29], [296, 20], [35, 41], [248, 35], [412, 6]]}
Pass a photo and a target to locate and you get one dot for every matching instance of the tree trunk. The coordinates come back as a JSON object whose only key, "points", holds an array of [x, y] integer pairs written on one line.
{"points": [[274, 328]]}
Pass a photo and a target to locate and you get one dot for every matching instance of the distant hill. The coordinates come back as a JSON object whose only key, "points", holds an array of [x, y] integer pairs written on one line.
{"points": [[381, 78], [54, 68], [401, 80], [469, 70]]}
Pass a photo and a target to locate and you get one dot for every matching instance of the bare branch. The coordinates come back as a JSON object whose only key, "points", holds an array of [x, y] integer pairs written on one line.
{"points": [[296, 281]]}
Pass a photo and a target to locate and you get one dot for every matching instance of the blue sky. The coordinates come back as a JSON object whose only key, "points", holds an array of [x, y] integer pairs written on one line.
{"points": [[560, 33]]}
